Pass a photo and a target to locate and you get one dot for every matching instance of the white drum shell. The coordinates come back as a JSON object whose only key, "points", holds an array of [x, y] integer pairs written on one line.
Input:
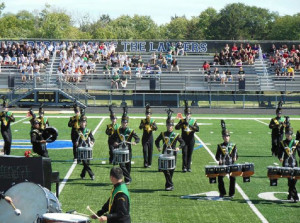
{"points": [[31, 199], [166, 162], [121, 156], [84, 153], [62, 218]]}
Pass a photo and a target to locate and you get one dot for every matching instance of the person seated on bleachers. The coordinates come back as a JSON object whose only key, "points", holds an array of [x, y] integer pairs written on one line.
{"points": [[128, 61], [216, 74], [23, 71], [217, 59], [205, 66], [164, 64], [283, 71], [7, 60], [172, 49], [77, 76], [153, 58], [174, 64], [140, 60], [91, 66], [169, 57], [250, 59], [241, 74], [226, 48], [234, 48], [238, 62], [148, 70], [114, 60], [134, 61], [14, 60], [228, 75], [207, 75], [115, 79], [1, 60], [138, 71], [36, 72], [160, 58], [46, 56], [297, 62], [60, 75], [127, 70], [106, 68], [30, 71], [291, 72], [157, 70], [123, 81], [223, 78], [179, 48], [122, 59], [111, 48]]}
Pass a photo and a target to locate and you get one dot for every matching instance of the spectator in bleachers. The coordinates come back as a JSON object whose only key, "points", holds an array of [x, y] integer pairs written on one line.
{"points": [[127, 70], [128, 61], [234, 48], [123, 81], [228, 75], [223, 78], [153, 58], [91, 66], [216, 59], [216, 74], [60, 75], [115, 80], [14, 60], [160, 58], [36, 72], [106, 68], [205, 66], [1, 60], [174, 64], [138, 71], [164, 64], [111, 48], [122, 59], [179, 48], [157, 70], [23, 71], [250, 59], [172, 49], [291, 72], [207, 75], [140, 60], [283, 71], [169, 57], [241, 74], [30, 71], [238, 62], [134, 61], [7, 60], [148, 70], [114, 60]]}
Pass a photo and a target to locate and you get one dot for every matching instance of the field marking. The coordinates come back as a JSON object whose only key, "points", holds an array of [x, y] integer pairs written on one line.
{"points": [[63, 183], [19, 121], [246, 198], [262, 122]]}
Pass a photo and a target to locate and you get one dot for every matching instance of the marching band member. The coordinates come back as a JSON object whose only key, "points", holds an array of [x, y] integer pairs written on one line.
{"points": [[277, 126], [287, 156], [110, 130], [298, 135], [126, 134], [148, 125], [37, 140], [43, 120], [170, 139], [188, 128], [85, 138], [226, 155], [74, 124], [117, 207], [6, 118]]}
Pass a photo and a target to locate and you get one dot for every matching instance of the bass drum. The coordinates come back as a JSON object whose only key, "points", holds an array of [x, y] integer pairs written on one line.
{"points": [[50, 134], [31, 199]]}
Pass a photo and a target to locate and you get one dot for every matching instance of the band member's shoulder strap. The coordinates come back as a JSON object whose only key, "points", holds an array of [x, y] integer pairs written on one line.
{"points": [[35, 131]]}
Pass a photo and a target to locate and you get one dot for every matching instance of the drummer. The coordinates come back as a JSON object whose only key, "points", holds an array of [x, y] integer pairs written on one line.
{"points": [[43, 120], [226, 155], [38, 142], [85, 139], [148, 125], [118, 137], [170, 139], [74, 124], [287, 156], [110, 130]]}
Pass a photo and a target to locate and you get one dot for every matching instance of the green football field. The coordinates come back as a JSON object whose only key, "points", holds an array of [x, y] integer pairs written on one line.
{"points": [[193, 199]]}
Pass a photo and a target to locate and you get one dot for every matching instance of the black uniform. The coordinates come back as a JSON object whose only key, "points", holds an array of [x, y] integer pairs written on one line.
{"points": [[74, 124], [37, 146], [188, 129], [287, 152], [110, 130], [44, 122], [226, 153], [117, 206], [85, 137], [298, 135], [148, 127], [6, 118], [118, 137], [173, 139], [276, 124]]}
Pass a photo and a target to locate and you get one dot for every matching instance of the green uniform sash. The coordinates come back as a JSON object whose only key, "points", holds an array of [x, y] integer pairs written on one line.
{"points": [[119, 189], [227, 149], [169, 140], [127, 133]]}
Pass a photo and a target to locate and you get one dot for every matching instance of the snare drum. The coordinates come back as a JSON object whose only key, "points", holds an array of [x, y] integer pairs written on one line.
{"points": [[248, 169], [85, 153], [166, 162], [120, 156], [222, 170], [296, 173], [32, 199], [286, 172], [210, 171], [235, 170], [62, 218], [274, 172]]}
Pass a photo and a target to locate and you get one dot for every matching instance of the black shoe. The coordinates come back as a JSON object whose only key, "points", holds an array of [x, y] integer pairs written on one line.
{"points": [[169, 188], [189, 170], [289, 197], [145, 166], [82, 177], [184, 170], [222, 195], [231, 196], [93, 177]]}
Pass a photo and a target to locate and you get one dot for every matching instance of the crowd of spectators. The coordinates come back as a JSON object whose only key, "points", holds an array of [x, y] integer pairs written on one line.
{"points": [[29, 60], [285, 60]]}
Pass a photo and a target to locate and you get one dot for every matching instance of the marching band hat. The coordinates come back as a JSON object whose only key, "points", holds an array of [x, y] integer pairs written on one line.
{"points": [[148, 109], [225, 132], [289, 130], [187, 110], [36, 121], [41, 110], [169, 120], [83, 118], [112, 113], [125, 118], [278, 110]]}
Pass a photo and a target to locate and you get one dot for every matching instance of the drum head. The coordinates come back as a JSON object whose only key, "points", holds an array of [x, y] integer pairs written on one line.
{"points": [[50, 134], [62, 217], [29, 198]]}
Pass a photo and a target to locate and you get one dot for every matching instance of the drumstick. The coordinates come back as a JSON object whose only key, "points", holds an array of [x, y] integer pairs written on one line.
{"points": [[88, 208], [17, 211], [85, 215]]}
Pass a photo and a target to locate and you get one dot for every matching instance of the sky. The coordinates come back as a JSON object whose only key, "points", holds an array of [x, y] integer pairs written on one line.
{"points": [[160, 11]]}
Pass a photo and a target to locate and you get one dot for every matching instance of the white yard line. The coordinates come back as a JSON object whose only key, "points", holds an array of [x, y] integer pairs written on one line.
{"points": [[264, 122], [246, 198], [19, 120], [63, 183]]}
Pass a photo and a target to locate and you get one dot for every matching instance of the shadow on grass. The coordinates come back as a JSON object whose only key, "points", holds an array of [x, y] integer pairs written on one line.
{"points": [[255, 156], [282, 203], [144, 190]]}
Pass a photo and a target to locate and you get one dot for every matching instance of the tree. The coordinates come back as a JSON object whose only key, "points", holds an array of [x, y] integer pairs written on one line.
{"points": [[2, 6], [177, 28]]}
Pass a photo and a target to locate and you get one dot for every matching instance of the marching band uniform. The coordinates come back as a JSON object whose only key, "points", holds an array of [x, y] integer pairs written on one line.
{"points": [[118, 137], [6, 118], [85, 138], [148, 125], [287, 155], [74, 124], [226, 154], [277, 126], [43, 120], [170, 139], [37, 140], [110, 130], [188, 128], [298, 135]]}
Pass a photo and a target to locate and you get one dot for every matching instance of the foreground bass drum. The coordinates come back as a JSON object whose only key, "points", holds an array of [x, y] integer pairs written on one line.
{"points": [[31, 199], [62, 218], [50, 134]]}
